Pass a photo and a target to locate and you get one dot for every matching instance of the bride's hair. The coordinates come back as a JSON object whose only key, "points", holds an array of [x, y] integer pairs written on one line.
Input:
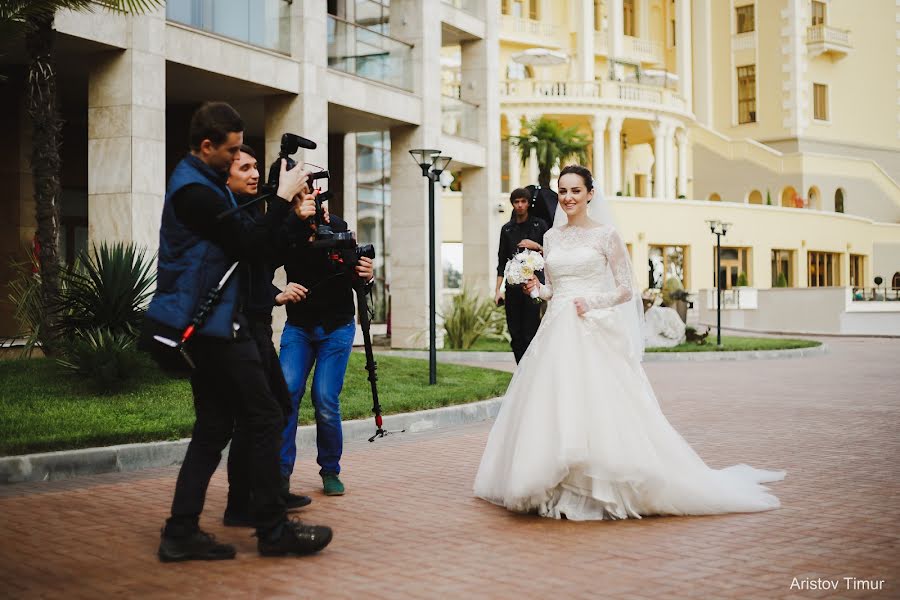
{"points": [[582, 172]]}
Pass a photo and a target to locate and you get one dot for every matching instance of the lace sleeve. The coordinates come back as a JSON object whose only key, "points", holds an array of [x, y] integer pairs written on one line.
{"points": [[613, 248], [545, 291]]}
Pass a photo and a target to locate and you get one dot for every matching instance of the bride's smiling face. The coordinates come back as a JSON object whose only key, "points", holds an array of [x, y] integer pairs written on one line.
{"points": [[573, 194]]}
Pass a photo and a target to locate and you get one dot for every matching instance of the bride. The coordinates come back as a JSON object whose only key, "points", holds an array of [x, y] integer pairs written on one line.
{"points": [[580, 434]]}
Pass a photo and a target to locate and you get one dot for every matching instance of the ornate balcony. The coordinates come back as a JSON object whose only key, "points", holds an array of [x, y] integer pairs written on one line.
{"points": [[531, 32], [643, 51], [581, 94], [823, 39]]}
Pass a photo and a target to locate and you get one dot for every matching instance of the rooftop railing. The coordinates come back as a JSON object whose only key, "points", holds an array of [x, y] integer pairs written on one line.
{"points": [[369, 54], [263, 23]]}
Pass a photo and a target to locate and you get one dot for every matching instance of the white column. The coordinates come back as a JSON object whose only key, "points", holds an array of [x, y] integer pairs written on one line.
{"points": [[598, 124], [585, 29], [481, 186], [670, 161], [702, 62], [351, 214], [414, 22], [659, 159], [683, 49], [681, 140], [533, 170], [127, 137], [615, 155], [616, 14], [514, 125]]}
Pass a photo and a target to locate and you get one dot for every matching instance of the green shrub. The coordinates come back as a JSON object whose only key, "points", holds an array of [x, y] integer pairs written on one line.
{"points": [[673, 290], [106, 289], [781, 281], [471, 317], [25, 296], [107, 359], [742, 279]]}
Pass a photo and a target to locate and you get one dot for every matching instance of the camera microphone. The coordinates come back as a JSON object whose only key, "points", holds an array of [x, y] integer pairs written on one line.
{"points": [[305, 143]]}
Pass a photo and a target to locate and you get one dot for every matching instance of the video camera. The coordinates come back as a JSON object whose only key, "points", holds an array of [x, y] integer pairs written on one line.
{"points": [[341, 246]]}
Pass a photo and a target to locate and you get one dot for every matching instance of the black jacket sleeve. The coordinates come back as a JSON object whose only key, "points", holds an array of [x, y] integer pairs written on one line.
{"points": [[197, 206], [501, 254]]}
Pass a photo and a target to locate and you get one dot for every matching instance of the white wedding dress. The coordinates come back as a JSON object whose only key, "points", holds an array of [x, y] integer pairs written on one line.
{"points": [[580, 433]]}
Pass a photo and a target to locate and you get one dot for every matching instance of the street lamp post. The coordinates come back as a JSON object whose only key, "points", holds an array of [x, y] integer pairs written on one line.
{"points": [[432, 164], [719, 229]]}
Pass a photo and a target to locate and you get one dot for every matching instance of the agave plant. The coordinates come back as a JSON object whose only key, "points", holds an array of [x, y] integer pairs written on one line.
{"points": [[106, 358], [107, 288], [469, 318], [25, 297]]}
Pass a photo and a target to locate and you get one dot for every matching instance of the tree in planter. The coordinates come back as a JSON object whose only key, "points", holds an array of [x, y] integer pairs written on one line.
{"points": [[742, 279], [552, 144], [35, 18], [768, 198], [781, 281]]}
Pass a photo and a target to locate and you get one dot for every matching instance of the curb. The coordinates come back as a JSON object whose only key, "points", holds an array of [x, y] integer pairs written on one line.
{"points": [[450, 356], [67, 464]]}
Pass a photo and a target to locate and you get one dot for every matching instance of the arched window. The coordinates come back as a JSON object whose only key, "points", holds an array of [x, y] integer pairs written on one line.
{"points": [[839, 200], [895, 282], [755, 197], [815, 199], [789, 197], [714, 197]]}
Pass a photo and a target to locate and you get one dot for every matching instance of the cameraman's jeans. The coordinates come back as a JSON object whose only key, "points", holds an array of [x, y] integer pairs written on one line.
{"points": [[330, 351]]}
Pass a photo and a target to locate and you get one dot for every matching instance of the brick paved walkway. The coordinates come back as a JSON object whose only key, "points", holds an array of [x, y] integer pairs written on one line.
{"points": [[409, 528]]}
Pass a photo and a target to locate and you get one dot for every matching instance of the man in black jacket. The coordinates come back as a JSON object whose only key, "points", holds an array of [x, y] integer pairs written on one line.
{"points": [[523, 231], [258, 296], [229, 382], [319, 331]]}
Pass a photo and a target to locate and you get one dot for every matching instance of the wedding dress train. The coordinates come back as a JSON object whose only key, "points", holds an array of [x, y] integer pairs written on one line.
{"points": [[580, 433]]}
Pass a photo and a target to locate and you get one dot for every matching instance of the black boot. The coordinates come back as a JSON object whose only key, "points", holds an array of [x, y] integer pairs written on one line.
{"points": [[293, 537], [197, 546], [292, 500]]}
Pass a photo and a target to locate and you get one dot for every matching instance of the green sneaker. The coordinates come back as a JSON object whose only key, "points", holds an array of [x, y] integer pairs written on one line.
{"points": [[332, 485]]}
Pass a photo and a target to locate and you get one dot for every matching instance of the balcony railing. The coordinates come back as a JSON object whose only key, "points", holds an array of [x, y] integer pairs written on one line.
{"points": [[539, 31], [473, 7], [743, 41], [877, 294], [615, 91], [823, 38], [648, 51], [264, 23], [459, 118], [741, 298], [369, 54]]}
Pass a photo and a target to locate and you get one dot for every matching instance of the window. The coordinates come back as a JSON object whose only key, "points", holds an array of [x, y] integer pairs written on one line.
{"points": [[820, 102], [733, 263], [452, 259], [782, 268], [839, 200], [857, 270], [665, 262], [818, 13], [823, 269], [746, 77], [504, 7], [746, 21], [598, 15], [895, 282], [533, 12], [628, 6], [373, 209]]}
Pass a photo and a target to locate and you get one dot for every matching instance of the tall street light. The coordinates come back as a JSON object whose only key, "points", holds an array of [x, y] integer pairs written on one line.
{"points": [[432, 164], [719, 229]]}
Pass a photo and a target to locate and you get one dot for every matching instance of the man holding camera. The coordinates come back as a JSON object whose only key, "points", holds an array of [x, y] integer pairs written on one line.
{"points": [[259, 295], [319, 331], [523, 231], [229, 382]]}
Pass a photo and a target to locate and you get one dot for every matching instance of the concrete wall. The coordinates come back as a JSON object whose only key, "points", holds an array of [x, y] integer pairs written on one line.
{"points": [[809, 311]]}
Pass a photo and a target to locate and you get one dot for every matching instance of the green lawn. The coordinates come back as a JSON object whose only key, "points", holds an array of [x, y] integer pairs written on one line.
{"points": [[736, 343], [485, 345], [44, 409]]}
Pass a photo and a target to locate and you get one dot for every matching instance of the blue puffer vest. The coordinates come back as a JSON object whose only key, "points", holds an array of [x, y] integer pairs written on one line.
{"points": [[188, 265]]}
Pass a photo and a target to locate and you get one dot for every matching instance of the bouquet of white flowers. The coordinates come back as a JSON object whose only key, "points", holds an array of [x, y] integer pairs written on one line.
{"points": [[522, 267]]}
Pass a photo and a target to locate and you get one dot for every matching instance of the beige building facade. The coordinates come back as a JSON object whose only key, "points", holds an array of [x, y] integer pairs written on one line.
{"points": [[780, 117]]}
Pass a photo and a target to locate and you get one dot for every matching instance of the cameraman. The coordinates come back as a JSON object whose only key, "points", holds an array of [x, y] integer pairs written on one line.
{"points": [[258, 295], [320, 330], [229, 382]]}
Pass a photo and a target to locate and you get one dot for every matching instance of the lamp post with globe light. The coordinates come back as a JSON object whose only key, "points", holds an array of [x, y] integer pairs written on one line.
{"points": [[432, 164], [719, 229]]}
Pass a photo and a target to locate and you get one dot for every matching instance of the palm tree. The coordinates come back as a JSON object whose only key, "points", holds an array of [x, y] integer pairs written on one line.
{"points": [[552, 143], [34, 19]]}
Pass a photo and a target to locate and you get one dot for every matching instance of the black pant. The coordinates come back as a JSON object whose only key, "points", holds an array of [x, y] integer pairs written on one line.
{"points": [[239, 455], [523, 317], [230, 385]]}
